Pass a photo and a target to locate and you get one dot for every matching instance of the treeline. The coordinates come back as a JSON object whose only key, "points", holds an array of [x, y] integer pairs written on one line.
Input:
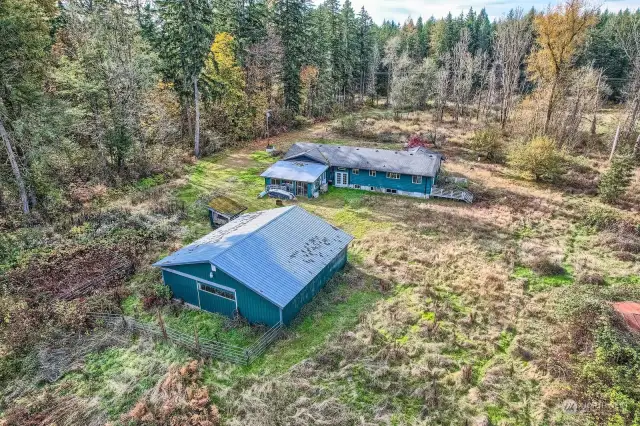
{"points": [[104, 91], [563, 63]]}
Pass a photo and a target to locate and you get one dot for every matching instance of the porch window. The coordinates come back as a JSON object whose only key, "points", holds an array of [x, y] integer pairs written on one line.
{"points": [[218, 291], [355, 171], [391, 175], [372, 173], [416, 179]]}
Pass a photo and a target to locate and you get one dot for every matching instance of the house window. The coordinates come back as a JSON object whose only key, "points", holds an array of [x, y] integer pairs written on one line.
{"points": [[391, 191], [356, 186], [275, 181], [218, 291], [355, 171], [416, 179], [393, 175], [372, 173]]}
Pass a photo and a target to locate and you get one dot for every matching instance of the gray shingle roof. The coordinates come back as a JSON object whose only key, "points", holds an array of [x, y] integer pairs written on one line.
{"points": [[416, 161], [276, 253]]}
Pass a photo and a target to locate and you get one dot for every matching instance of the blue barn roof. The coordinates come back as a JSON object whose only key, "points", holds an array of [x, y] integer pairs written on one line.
{"points": [[301, 171], [276, 253]]}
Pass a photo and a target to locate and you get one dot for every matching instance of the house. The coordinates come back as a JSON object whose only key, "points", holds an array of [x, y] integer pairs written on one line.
{"points": [[264, 265], [308, 168]]}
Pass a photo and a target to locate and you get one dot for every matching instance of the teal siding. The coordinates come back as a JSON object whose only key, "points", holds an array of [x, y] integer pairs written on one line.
{"points": [[381, 180], [182, 287], [251, 305], [213, 303], [291, 310]]}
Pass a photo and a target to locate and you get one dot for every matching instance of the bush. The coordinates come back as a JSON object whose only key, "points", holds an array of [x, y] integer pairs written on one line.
{"points": [[539, 157], [488, 144], [349, 126], [547, 268], [616, 179], [600, 218]]}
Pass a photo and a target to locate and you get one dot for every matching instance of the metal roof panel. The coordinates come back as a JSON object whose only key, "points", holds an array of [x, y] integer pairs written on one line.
{"points": [[300, 171]]}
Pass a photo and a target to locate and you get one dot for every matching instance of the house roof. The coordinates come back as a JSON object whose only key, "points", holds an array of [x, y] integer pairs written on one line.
{"points": [[416, 161], [301, 171], [276, 253], [226, 206]]}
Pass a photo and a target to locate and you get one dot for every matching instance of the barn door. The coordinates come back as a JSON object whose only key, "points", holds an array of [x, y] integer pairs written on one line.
{"points": [[216, 299]]}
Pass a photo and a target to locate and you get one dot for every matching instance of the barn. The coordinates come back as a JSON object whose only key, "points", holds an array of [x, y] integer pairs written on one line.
{"points": [[263, 265]]}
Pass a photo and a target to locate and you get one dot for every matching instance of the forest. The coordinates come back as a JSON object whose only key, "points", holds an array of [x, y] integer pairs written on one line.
{"points": [[104, 92], [121, 120]]}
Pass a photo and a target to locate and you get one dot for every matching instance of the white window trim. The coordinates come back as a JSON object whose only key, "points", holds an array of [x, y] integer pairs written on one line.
{"points": [[199, 280], [200, 284], [355, 171], [372, 173], [392, 175], [416, 179]]}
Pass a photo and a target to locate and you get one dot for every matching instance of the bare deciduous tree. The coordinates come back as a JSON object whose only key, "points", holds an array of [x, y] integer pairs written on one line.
{"points": [[513, 38]]}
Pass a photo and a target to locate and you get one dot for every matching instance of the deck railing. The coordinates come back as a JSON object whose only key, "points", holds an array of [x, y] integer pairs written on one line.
{"points": [[205, 347], [453, 194], [288, 188]]}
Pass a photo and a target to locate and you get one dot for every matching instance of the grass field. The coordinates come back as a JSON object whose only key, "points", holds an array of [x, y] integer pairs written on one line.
{"points": [[447, 313]]}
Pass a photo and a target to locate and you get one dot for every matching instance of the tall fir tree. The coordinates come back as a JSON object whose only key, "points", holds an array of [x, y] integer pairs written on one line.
{"points": [[290, 17]]}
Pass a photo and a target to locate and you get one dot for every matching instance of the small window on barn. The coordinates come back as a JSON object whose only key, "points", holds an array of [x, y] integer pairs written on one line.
{"points": [[356, 186], [391, 175], [218, 291], [416, 179], [372, 173], [391, 191], [355, 171]]}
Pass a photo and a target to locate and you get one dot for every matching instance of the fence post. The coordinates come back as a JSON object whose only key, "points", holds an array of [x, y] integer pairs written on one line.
{"points": [[197, 341], [161, 323]]}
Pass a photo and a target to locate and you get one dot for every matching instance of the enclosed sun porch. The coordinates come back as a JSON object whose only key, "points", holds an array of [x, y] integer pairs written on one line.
{"points": [[298, 178]]}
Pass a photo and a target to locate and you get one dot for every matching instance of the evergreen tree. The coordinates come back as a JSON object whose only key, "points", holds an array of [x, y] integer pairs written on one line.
{"points": [[186, 36], [616, 179], [290, 18]]}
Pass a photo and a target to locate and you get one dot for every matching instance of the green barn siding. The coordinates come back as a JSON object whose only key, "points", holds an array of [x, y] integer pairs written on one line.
{"points": [[252, 306], [291, 310], [182, 287]]}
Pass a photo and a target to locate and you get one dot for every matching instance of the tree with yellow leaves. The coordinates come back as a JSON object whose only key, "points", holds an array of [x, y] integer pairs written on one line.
{"points": [[225, 92], [560, 32]]}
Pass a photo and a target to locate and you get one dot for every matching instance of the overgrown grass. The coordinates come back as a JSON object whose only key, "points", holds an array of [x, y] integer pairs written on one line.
{"points": [[119, 376], [538, 283]]}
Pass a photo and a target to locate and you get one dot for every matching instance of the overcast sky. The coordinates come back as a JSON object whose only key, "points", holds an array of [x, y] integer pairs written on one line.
{"points": [[399, 10]]}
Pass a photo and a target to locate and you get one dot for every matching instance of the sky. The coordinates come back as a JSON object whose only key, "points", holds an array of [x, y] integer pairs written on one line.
{"points": [[400, 10]]}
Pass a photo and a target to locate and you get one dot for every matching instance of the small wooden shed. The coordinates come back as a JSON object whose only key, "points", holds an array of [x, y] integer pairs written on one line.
{"points": [[223, 210]]}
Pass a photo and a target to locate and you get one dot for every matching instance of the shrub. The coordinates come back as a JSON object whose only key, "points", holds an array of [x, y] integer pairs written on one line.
{"points": [[616, 179], [487, 143], [539, 157], [547, 268], [349, 126], [600, 219]]}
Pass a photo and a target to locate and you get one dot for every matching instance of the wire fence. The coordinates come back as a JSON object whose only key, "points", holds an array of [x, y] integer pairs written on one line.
{"points": [[204, 347]]}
